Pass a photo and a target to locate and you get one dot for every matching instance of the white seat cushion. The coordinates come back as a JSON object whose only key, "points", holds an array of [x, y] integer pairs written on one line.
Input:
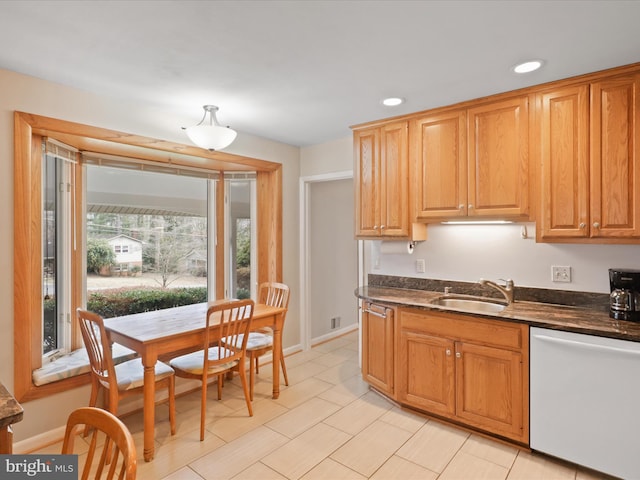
{"points": [[193, 362], [76, 363], [256, 341], [259, 340], [131, 374]]}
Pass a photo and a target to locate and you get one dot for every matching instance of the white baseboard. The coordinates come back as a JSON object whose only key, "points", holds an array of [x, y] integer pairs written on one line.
{"points": [[37, 442], [334, 334]]}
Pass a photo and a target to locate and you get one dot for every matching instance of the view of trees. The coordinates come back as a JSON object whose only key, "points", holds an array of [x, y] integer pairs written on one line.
{"points": [[167, 241]]}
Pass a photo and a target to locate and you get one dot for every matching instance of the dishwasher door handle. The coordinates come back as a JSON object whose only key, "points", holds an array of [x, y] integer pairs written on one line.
{"points": [[586, 346], [377, 314]]}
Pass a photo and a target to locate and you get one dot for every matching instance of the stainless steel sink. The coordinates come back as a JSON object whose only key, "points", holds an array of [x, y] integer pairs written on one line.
{"points": [[473, 305]]}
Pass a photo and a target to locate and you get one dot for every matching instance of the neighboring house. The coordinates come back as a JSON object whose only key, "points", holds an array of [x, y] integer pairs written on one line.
{"points": [[196, 262], [128, 252]]}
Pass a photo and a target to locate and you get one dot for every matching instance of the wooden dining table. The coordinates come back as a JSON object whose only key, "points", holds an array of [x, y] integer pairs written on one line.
{"points": [[179, 329]]}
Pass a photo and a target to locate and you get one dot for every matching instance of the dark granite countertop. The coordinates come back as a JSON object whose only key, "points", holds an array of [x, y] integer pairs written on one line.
{"points": [[10, 409], [590, 321]]}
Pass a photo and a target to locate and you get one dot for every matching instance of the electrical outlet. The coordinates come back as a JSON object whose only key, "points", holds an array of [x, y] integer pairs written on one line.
{"points": [[561, 274], [420, 266], [335, 322]]}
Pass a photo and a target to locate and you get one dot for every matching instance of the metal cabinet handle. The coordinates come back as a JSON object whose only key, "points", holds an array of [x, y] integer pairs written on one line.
{"points": [[448, 352], [375, 227], [458, 355], [582, 225], [377, 314], [382, 226], [470, 206], [596, 225], [461, 206]]}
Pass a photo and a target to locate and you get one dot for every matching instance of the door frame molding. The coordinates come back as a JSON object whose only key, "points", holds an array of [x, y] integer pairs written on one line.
{"points": [[304, 272]]}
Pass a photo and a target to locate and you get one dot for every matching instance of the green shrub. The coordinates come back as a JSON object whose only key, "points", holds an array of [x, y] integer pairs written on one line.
{"points": [[118, 302]]}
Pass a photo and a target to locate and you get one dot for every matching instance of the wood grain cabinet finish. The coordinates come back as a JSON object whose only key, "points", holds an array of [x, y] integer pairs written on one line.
{"points": [[589, 151], [382, 182], [472, 162], [498, 159], [439, 163], [470, 370], [378, 346]]}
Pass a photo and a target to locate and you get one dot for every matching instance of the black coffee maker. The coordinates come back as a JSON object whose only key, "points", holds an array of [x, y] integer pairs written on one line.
{"points": [[625, 294]]}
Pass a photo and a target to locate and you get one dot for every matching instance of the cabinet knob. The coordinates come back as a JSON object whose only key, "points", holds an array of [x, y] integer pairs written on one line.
{"points": [[375, 227], [583, 225], [448, 352], [382, 226], [470, 206], [596, 225], [458, 355], [461, 207]]}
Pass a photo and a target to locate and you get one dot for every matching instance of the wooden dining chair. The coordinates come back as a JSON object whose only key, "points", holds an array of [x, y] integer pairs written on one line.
{"points": [[120, 380], [226, 320], [115, 457], [261, 342]]}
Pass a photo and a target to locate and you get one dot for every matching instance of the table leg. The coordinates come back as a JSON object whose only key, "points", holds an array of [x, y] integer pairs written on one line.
{"points": [[277, 348], [149, 391], [6, 440]]}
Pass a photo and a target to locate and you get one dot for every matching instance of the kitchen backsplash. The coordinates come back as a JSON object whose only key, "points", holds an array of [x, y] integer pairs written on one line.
{"points": [[598, 301]]}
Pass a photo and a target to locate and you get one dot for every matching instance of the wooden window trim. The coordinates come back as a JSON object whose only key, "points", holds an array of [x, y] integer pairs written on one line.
{"points": [[28, 128]]}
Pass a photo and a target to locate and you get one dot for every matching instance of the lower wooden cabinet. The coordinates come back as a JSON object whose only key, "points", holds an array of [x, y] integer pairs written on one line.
{"points": [[378, 346], [471, 370]]}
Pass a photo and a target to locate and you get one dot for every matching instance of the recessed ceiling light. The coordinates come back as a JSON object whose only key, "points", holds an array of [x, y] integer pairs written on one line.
{"points": [[527, 67], [392, 101]]}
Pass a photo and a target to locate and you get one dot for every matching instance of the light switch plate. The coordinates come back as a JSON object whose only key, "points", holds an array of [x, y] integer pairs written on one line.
{"points": [[420, 266]]}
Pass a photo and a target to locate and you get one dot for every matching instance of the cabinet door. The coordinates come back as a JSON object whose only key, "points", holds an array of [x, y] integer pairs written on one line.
{"points": [[426, 372], [439, 160], [564, 178], [377, 347], [615, 157], [394, 180], [498, 158], [367, 170], [489, 389]]}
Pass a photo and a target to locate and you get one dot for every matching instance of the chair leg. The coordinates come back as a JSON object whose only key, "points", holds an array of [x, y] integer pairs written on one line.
{"points": [[93, 400], [172, 404], [245, 388], [252, 374], [203, 408], [284, 369], [220, 385]]}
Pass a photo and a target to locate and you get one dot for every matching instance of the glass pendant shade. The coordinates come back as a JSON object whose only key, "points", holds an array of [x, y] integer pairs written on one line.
{"points": [[211, 136]]}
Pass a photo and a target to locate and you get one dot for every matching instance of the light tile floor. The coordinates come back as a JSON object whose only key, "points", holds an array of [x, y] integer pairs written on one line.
{"points": [[327, 424]]}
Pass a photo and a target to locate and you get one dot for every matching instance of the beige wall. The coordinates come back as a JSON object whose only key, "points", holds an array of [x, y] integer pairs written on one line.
{"points": [[28, 94]]}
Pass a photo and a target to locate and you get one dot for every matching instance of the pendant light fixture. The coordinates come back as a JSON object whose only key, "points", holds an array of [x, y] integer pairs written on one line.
{"points": [[211, 136]]}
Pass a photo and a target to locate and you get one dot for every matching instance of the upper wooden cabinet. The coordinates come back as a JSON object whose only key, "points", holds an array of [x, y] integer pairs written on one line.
{"points": [[565, 154], [498, 158], [382, 181], [589, 154], [439, 163], [472, 162]]}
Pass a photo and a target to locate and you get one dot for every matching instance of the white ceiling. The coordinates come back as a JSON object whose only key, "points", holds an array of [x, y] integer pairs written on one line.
{"points": [[301, 72]]}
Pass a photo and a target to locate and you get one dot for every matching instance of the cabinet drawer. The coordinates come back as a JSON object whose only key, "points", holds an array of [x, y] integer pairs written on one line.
{"points": [[459, 327]]}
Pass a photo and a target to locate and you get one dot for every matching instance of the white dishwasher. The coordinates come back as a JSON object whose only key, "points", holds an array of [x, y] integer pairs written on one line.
{"points": [[585, 400]]}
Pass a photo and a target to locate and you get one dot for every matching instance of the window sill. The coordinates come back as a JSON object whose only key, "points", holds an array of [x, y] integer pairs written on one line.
{"points": [[75, 364]]}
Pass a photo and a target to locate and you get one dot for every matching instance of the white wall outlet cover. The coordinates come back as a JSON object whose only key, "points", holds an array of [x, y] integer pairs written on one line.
{"points": [[561, 274]]}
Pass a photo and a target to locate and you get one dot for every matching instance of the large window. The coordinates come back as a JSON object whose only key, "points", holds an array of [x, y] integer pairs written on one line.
{"points": [[50, 256]]}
